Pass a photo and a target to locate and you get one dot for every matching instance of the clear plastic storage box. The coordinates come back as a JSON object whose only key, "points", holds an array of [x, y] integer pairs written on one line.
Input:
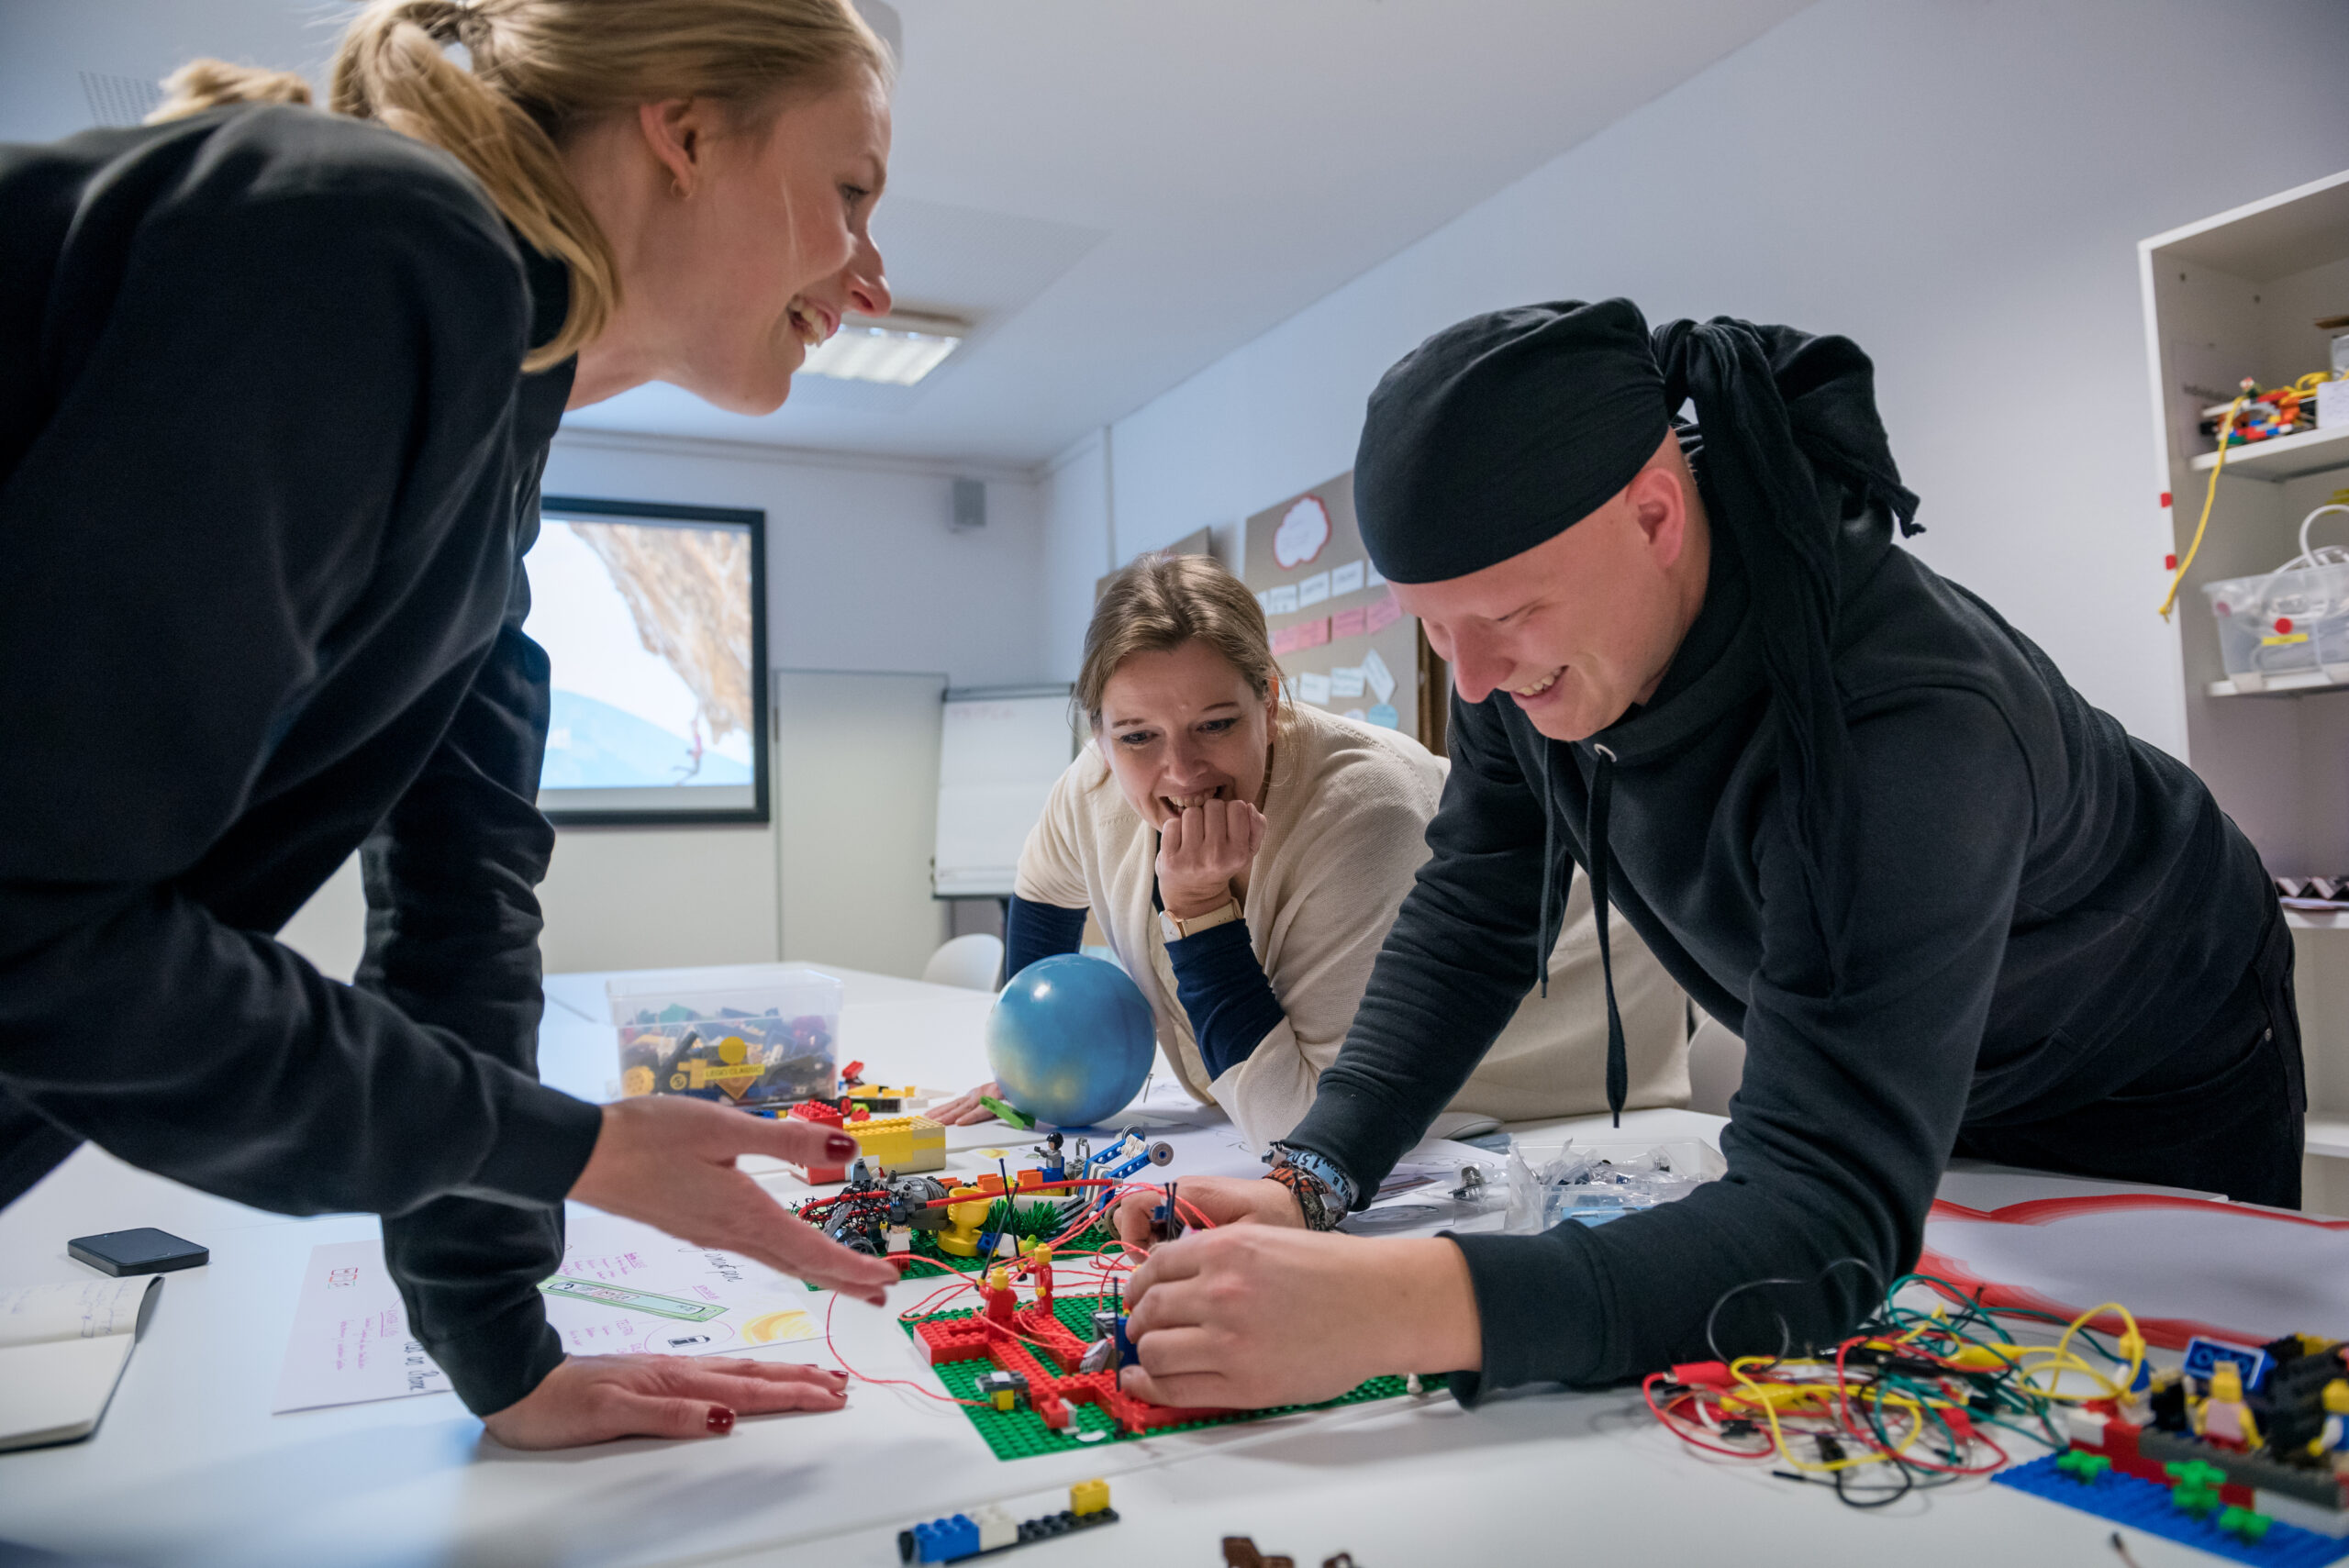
{"points": [[2280, 622], [754, 1034]]}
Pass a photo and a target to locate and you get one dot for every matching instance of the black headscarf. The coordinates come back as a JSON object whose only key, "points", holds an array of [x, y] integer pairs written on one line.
{"points": [[1506, 429]]}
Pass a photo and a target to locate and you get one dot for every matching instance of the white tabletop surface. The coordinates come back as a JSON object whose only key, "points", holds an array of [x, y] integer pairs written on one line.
{"points": [[191, 1467]]}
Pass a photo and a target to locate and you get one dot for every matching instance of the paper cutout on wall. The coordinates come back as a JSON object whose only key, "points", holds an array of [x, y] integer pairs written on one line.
{"points": [[1304, 529], [1381, 679], [1346, 680], [1313, 590], [1374, 578], [1384, 716], [1351, 623], [1314, 687], [1382, 613], [1264, 603], [1304, 634], [1281, 599], [1346, 578]]}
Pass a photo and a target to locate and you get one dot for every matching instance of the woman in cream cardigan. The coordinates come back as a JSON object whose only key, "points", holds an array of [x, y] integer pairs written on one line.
{"points": [[1246, 857]]}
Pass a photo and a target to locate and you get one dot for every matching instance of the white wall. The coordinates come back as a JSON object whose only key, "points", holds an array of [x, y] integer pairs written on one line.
{"points": [[863, 574], [1958, 185]]}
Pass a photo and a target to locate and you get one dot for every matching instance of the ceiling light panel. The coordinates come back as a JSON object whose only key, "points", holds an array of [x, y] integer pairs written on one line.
{"points": [[883, 352]]}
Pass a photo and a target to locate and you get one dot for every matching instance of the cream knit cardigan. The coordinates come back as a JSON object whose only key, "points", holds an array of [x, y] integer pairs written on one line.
{"points": [[1345, 828]]}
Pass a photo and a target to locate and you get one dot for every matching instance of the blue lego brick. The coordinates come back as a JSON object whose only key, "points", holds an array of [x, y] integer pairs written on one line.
{"points": [[2140, 1505], [942, 1540], [2203, 1356]]}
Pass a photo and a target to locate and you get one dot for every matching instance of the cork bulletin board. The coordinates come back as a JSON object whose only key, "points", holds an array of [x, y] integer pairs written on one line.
{"points": [[1341, 641]]}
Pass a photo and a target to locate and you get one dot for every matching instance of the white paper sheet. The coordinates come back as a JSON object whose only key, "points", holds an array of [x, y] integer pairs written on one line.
{"points": [[2181, 1265], [351, 1343], [1346, 578], [1381, 679]]}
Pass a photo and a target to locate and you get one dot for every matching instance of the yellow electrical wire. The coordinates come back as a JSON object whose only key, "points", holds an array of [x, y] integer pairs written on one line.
{"points": [[1768, 1398], [2226, 428]]}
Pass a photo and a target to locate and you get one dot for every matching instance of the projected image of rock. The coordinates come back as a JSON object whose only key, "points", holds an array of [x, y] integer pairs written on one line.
{"points": [[648, 625]]}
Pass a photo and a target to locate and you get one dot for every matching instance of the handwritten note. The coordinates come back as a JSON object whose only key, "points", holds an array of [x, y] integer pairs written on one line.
{"points": [[623, 1287]]}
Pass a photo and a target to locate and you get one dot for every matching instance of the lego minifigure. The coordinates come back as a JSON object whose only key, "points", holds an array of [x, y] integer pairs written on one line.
{"points": [[1041, 1275], [2333, 1443], [1049, 1162], [2223, 1418], [2166, 1400], [1002, 1302]]}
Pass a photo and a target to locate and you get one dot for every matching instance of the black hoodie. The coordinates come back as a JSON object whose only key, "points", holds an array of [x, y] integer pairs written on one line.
{"points": [[2042, 909], [268, 467]]}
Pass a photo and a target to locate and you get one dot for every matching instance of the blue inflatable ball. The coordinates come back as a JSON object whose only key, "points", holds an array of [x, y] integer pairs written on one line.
{"points": [[1071, 1039]]}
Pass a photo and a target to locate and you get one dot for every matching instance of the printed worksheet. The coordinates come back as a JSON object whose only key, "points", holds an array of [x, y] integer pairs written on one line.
{"points": [[623, 1287]]}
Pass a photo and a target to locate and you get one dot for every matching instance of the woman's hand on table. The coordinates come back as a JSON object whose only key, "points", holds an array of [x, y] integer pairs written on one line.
{"points": [[593, 1399], [1225, 1200], [1200, 850], [963, 1109], [1248, 1315], [670, 1163]]}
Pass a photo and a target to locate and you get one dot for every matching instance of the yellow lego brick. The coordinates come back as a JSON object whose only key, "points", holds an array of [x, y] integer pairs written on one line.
{"points": [[1089, 1497], [900, 1145], [1005, 1398]]}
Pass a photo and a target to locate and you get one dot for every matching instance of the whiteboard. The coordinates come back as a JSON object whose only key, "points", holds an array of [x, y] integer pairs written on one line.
{"points": [[999, 754]]}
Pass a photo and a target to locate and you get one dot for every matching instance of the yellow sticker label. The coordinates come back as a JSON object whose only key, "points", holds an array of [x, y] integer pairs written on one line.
{"points": [[2280, 641], [636, 1080], [731, 1051]]}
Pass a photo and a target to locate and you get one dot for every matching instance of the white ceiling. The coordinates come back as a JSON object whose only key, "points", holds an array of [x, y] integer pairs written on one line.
{"points": [[1119, 192]]}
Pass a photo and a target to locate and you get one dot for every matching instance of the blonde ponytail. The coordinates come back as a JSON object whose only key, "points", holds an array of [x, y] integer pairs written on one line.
{"points": [[202, 84], [391, 68], [538, 68]]}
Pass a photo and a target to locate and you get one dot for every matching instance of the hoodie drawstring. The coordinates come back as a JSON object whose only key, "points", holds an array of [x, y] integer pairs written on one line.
{"points": [[1619, 1070], [1549, 879], [1553, 912]]}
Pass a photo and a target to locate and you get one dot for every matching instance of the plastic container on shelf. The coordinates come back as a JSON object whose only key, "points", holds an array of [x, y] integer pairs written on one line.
{"points": [[2292, 620], [754, 1034]]}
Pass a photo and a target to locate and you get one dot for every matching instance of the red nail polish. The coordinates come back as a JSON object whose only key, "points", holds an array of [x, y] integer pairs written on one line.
{"points": [[722, 1420], [840, 1146]]}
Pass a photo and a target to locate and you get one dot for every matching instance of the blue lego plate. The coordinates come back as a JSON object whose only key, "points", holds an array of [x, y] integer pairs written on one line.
{"points": [[2145, 1505]]}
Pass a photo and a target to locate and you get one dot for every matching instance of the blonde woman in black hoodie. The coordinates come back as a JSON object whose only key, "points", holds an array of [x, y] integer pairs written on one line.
{"points": [[276, 387]]}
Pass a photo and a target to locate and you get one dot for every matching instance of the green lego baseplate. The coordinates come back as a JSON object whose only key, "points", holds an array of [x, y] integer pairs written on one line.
{"points": [[1021, 1433]]}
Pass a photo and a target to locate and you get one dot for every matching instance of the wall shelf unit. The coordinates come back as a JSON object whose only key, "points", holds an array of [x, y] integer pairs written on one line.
{"points": [[2284, 457], [2237, 296], [2290, 684]]}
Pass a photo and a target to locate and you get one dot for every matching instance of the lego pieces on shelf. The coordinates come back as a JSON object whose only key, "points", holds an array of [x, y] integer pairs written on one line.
{"points": [[991, 1529]]}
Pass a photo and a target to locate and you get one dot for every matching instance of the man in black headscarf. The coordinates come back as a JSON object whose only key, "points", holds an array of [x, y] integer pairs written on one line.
{"points": [[1861, 820]]}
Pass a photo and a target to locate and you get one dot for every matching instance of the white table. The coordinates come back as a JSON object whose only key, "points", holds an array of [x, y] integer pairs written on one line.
{"points": [[190, 1467]]}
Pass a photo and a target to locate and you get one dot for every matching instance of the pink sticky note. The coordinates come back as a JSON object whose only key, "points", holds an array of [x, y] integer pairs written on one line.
{"points": [[1350, 623], [1313, 633], [1384, 612]]}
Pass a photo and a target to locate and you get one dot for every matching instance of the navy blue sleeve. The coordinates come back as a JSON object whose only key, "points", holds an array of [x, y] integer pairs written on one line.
{"points": [[1223, 989], [1032, 931]]}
